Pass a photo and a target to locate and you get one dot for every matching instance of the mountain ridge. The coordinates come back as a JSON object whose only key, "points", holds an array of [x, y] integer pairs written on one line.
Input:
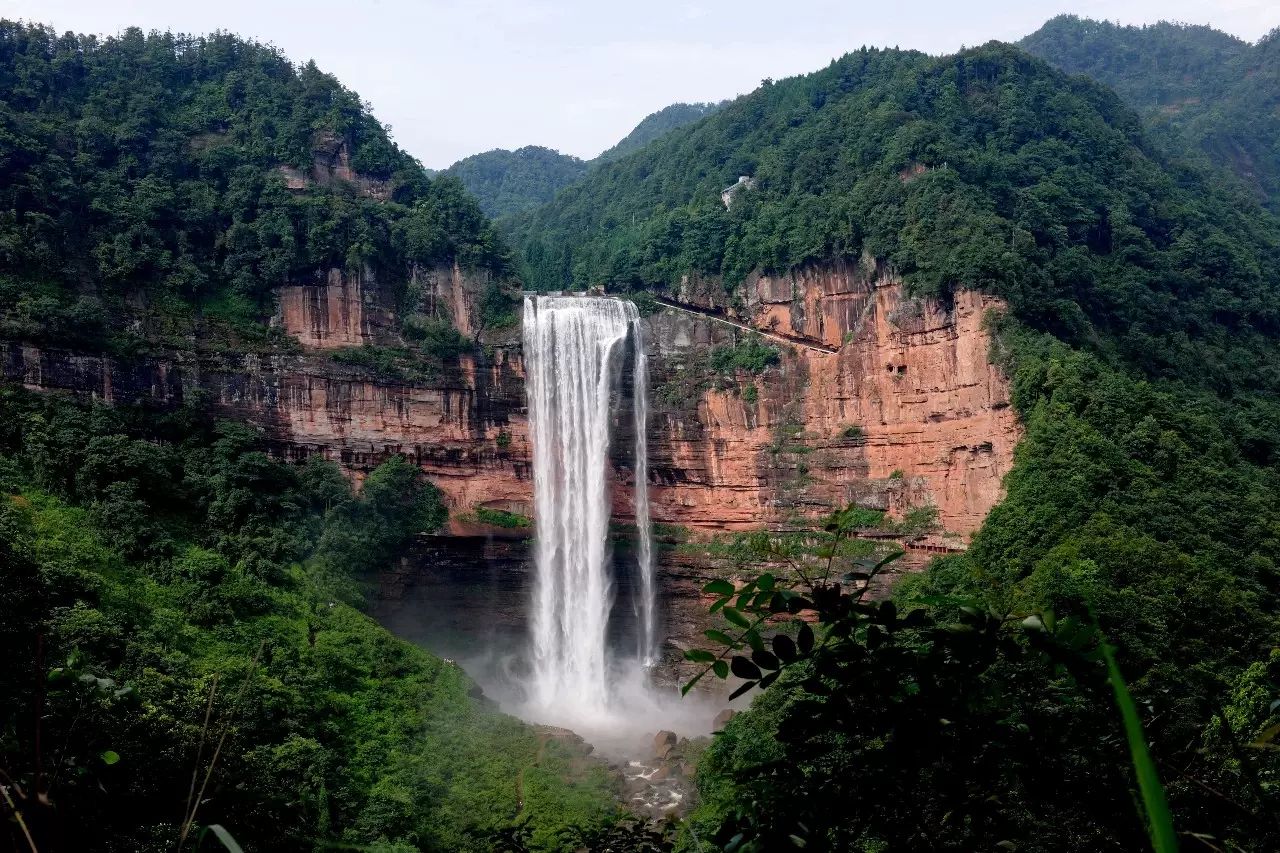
{"points": [[1198, 89], [509, 182]]}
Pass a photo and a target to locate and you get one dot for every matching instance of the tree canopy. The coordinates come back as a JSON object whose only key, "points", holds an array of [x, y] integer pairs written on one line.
{"points": [[204, 171], [508, 182], [1197, 88]]}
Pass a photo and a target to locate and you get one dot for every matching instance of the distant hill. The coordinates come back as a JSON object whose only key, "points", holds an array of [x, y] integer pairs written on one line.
{"points": [[1201, 89], [656, 125], [506, 182]]}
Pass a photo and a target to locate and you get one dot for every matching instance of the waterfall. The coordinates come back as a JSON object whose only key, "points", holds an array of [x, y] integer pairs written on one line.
{"points": [[574, 349], [644, 529]]}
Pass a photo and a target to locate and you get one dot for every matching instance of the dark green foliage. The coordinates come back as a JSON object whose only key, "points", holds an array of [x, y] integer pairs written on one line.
{"points": [[1198, 88], [153, 164], [657, 125], [645, 303], [509, 182], [498, 306], [505, 182], [501, 518], [435, 338], [955, 725], [151, 553], [749, 354]]}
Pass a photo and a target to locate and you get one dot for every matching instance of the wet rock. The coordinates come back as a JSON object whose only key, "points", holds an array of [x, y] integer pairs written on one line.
{"points": [[722, 719], [663, 743]]}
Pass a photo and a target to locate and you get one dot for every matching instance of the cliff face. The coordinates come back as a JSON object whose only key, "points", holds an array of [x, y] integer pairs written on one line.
{"points": [[312, 403], [882, 400], [877, 399]]}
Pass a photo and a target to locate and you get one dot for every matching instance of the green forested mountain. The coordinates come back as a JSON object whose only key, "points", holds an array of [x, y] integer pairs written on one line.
{"points": [[1195, 86], [160, 165], [154, 565], [508, 182], [156, 188], [657, 125], [1142, 336], [505, 182]]}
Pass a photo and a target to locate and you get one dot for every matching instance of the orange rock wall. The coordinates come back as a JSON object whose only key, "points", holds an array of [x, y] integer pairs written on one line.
{"points": [[912, 377], [450, 425], [343, 312], [907, 413]]}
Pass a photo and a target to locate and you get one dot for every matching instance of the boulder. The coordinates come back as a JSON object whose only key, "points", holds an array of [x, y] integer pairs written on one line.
{"points": [[663, 742], [722, 719]]}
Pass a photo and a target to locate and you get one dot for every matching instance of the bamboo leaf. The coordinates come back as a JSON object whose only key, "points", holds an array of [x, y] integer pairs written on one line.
{"points": [[765, 659], [785, 648], [223, 836], [1265, 738], [805, 639], [1159, 819]]}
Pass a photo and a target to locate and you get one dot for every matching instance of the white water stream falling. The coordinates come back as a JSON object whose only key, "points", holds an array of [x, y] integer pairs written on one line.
{"points": [[574, 350]]}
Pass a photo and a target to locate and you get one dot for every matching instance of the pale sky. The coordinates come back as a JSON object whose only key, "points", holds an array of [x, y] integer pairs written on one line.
{"points": [[454, 79]]}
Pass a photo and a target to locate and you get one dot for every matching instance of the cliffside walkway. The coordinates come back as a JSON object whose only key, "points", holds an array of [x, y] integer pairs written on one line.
{"points": [[720, 318]]}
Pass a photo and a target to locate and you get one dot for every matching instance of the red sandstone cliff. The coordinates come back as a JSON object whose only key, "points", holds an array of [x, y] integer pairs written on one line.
{"points": [[905, 411], [902, 410]]}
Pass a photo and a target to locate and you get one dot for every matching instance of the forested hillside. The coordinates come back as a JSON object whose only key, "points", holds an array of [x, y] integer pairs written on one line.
{"points": [[505, 182], [1142, 336], [657, 125], [169, 592], [157, 186], [508, 182], [1196, 87]]}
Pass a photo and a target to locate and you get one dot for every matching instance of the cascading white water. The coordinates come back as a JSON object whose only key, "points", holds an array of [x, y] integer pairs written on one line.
{"points": [[644, 530], [573, 358]]}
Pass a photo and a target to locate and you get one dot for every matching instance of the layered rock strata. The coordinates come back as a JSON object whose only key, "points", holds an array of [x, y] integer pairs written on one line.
{"points": [[906, 412], [878, 399]]}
